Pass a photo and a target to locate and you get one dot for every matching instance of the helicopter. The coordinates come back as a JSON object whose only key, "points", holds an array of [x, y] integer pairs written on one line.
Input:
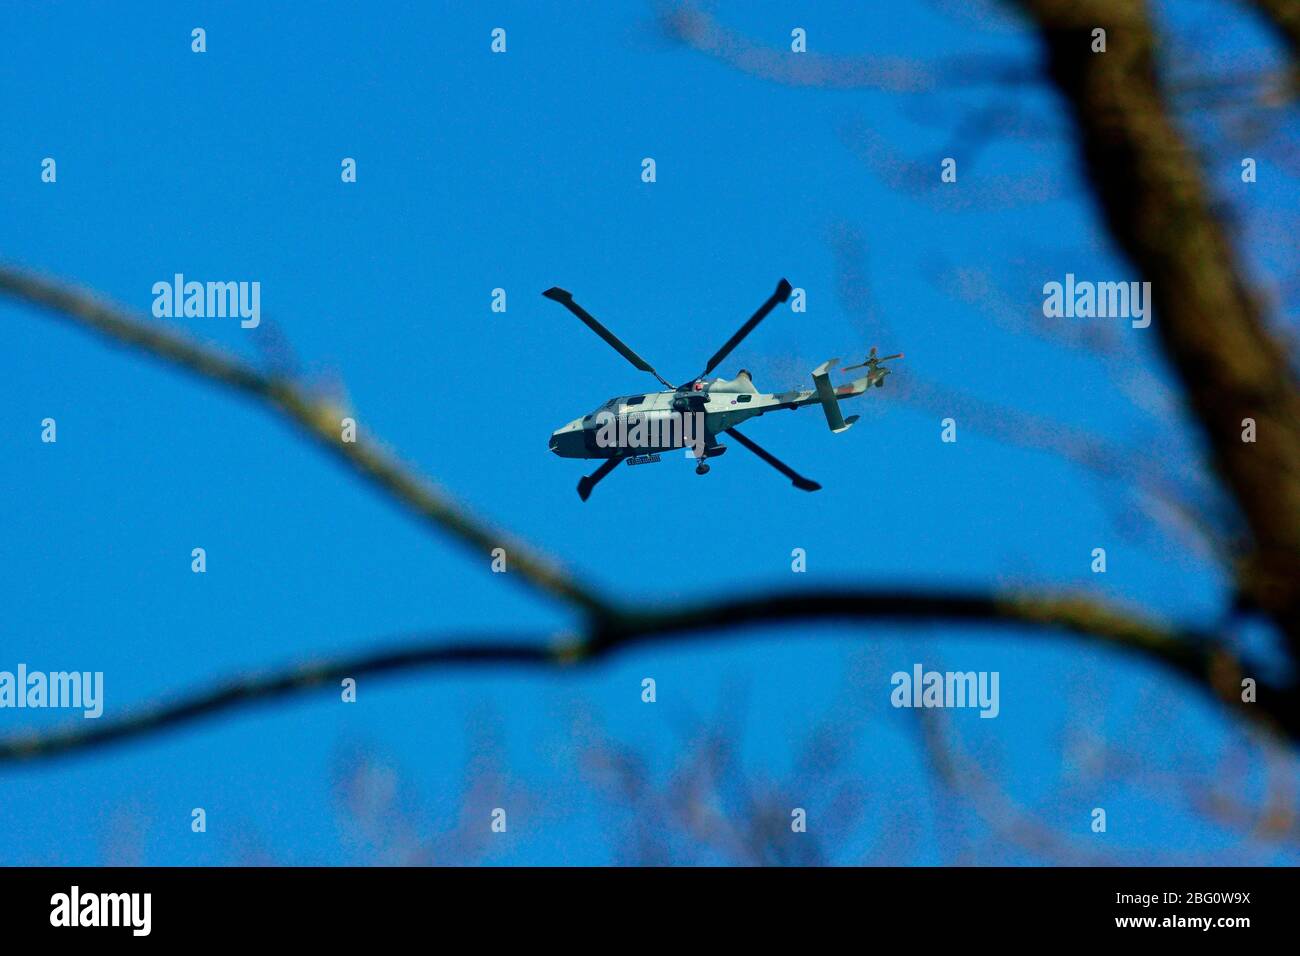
{"points": [[636, 428]]}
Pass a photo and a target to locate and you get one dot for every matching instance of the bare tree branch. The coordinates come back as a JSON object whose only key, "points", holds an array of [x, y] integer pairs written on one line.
{"points": [[318, 418], [1157, 206], [1284, 17], [1192, 654], [699, 30], [265, 689]]}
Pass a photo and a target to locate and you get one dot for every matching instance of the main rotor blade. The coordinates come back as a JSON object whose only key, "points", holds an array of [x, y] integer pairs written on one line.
{"points": [[799, 481], [782, 293], [566, 299], [591, 481]]}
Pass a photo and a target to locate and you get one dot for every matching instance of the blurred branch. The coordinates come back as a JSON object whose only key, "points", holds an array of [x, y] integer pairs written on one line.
{"points": [[686, 23], [1012, 823], [1192, 654], [1156, 205], [244, 692], [318, 418], [1181, 506], [920, 177], [699, 30], [1284, 17]]}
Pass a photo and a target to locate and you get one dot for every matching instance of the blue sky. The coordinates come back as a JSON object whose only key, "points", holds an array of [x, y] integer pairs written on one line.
{"points": [[522, 171]]}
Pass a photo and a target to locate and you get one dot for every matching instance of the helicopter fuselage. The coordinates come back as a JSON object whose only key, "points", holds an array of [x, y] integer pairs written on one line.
{"points": [[692, 415]]}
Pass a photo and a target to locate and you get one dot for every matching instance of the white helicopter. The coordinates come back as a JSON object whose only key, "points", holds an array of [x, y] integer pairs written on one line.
{"points": [[697, 412]]}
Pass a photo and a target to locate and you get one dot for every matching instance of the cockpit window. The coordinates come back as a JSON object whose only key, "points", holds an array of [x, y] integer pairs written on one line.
{"points": [[636, 400]]}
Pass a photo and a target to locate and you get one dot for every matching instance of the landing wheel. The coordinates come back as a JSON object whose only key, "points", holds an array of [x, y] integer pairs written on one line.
{"points": [[701, 469]]}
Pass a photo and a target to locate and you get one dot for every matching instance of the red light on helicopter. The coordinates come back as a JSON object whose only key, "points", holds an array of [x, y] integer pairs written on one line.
{"points": [[698, 386]]}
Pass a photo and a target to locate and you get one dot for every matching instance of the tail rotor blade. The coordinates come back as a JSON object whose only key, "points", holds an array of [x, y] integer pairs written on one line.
{"points": [[872, 361]]}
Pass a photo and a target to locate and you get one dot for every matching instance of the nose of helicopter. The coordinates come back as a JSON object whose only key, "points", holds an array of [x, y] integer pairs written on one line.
{"points": [[569, 441]]}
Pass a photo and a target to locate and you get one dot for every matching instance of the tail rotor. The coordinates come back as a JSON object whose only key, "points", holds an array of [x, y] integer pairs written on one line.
{"points": [[873, 361]]}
